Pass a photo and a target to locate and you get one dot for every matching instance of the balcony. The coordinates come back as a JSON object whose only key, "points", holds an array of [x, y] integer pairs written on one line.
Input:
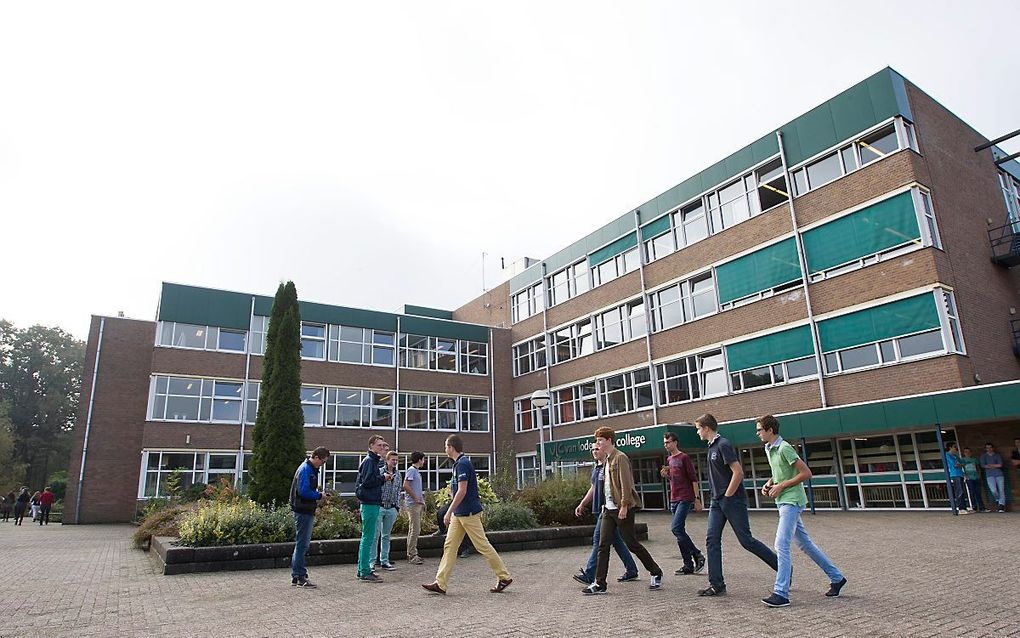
{"points": [[1014, 326], [1005, 244]]}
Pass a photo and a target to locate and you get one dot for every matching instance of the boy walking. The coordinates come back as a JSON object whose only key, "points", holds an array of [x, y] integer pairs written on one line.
{"points": [[729, 504], [618, 513], [368, 489], [595, 497], [464, 517], [789, 472], [414, 505], [304, 499], [682, 499]]}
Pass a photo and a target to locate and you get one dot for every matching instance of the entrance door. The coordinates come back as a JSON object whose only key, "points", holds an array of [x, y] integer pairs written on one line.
{"points": [[649, 484]]}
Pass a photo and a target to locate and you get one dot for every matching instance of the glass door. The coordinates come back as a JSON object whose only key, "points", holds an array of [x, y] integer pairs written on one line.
{"points": [[650, 485]]}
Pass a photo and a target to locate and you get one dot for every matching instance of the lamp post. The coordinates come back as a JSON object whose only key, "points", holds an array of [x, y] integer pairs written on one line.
{"points": [[540, 399]]}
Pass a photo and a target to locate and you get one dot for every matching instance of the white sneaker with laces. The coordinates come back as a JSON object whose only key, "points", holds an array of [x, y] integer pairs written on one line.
{"points": [[655, 582]]}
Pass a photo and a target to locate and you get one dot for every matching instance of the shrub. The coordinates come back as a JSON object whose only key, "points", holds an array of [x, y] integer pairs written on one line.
{"points": [[193, 492], [428, 523], [485, 493], [335, 519], [236, 523], [58, 484], [222, 491], [509, 516], [160, 521], [553, 500]]}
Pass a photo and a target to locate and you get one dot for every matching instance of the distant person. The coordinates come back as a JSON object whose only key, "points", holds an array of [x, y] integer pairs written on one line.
{"points": [[414, 505], [991, 461], [618, 514], [304, 499], [786, 486], [729, 504], [34, 504], [465, 517], [46, 500], [955, 466], [596, 497], [388, 510], [368, 489], [972, 475], [7, 506], [683, 499], [20, 505]]}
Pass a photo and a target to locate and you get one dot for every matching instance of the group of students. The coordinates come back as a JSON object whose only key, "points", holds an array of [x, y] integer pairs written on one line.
{"points": [[966, 468], [382, 491], [39, 504]]}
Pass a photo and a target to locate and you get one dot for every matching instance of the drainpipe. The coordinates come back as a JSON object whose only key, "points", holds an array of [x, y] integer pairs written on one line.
{"points": [[396, 393], [648, 316], [804, 275], [548, 363], [492, 401], [244, 395], [88, 422]]}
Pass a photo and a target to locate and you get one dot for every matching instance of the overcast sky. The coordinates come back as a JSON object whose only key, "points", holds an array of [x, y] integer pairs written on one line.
{"points": [[372, 152]]}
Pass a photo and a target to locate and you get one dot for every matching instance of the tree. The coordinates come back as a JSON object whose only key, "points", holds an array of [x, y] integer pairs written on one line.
{"points": [[12, 471], [279, 434], [40, 382], [504, 479]]}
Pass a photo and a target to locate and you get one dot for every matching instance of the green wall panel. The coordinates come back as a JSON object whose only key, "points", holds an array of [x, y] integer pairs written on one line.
{"points": [[1005, 401], [447, 329], [963, 406], [204, 306], [425, 311], [821, 423], [772, 348], [621, 245], [889, 320], [761, 270], [910, 413], [654, 228], [870, 230], [862, 418]]}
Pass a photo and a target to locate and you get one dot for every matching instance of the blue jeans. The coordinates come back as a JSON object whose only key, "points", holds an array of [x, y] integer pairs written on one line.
{"points": [[997, 486], [976, 500], [958, 494], [621, 550], [369, 521], [688, 549], [734, 510], [301, 540], [387, 517], [791, 527]]}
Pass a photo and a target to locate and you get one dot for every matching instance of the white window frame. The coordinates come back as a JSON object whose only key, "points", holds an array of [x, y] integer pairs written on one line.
{"points": [[699, 372]]}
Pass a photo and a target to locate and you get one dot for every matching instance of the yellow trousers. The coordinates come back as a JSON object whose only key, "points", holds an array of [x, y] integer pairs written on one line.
{"points": [[472, 526]]}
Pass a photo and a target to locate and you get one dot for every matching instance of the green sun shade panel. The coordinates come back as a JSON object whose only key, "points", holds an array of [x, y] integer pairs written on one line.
{"points": [[606, 253], [761, 270], [895, 319], [447, 329], [204, 306], [654, 228], [772, 348], [871, 230]]}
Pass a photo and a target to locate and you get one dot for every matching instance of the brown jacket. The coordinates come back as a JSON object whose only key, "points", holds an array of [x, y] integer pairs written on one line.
{"points": [[621, 480]]}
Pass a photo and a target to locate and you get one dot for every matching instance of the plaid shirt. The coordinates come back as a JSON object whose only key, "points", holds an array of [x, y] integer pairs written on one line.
{"points": [[391, 489]]}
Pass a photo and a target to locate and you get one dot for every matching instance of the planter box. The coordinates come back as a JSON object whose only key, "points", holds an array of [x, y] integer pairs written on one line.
{"points": [[174, 559]]}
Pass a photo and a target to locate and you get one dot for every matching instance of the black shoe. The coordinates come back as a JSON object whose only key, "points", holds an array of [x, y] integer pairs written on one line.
{"points": [[775, 600], [594, 590], [370, 578], [581, 578], [835, 588], [626, 578], [304, 582], [389, 567], [712, 590], [684, 571], [699, 563]]}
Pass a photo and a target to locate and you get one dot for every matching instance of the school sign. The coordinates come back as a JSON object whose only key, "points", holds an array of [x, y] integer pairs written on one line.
{"points": [[631, 442]]}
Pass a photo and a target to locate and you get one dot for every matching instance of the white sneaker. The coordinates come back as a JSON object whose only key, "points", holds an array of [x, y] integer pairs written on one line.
{"points": [[655, 582]]}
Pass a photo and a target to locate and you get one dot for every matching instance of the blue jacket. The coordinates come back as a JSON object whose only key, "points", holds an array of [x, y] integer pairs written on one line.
{"points": [[370, 481], [304, 498]]}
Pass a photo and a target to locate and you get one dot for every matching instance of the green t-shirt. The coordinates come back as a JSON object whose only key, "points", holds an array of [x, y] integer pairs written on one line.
{"points": [[970, 468], [782, 459]]}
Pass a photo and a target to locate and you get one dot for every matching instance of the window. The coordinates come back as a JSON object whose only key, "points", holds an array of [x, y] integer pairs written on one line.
{"points": [[1011, 195], [251, 408], [159, 466], [691, 378], [626, 392], [733, 203], [259, 327], [694, 223], [572, 341], [474, 357], [475, 414], [683, 302], [615, 267], [184, 335], [527, 470], [575, 403], [312, 397], [313, 341], [953, 321], [620, 324], [890, 333], [772, 188], [526, 303], [353, 407], [348, 344], [878, 232], [873, 146], [569, 282], [414, 352], [197, 400], [526, 415], [774, 374], [529, 356], [443, 412]]}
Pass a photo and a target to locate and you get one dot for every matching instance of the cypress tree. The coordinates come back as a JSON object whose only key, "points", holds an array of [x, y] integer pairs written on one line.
{"points": [[279, 433]]}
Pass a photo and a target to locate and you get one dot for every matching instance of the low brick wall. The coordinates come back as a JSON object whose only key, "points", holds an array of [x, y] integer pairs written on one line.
{"points": [[174, 559]]}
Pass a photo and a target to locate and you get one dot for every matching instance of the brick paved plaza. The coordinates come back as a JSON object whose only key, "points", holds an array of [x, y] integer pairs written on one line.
{"points": [[918, 574]]}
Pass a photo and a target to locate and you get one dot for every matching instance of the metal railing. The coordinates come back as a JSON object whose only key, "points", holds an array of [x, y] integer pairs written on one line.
{"points": [[1005, 244]]}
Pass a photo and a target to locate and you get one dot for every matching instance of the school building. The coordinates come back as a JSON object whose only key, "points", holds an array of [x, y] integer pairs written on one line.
{"points": [[853, 272]]}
